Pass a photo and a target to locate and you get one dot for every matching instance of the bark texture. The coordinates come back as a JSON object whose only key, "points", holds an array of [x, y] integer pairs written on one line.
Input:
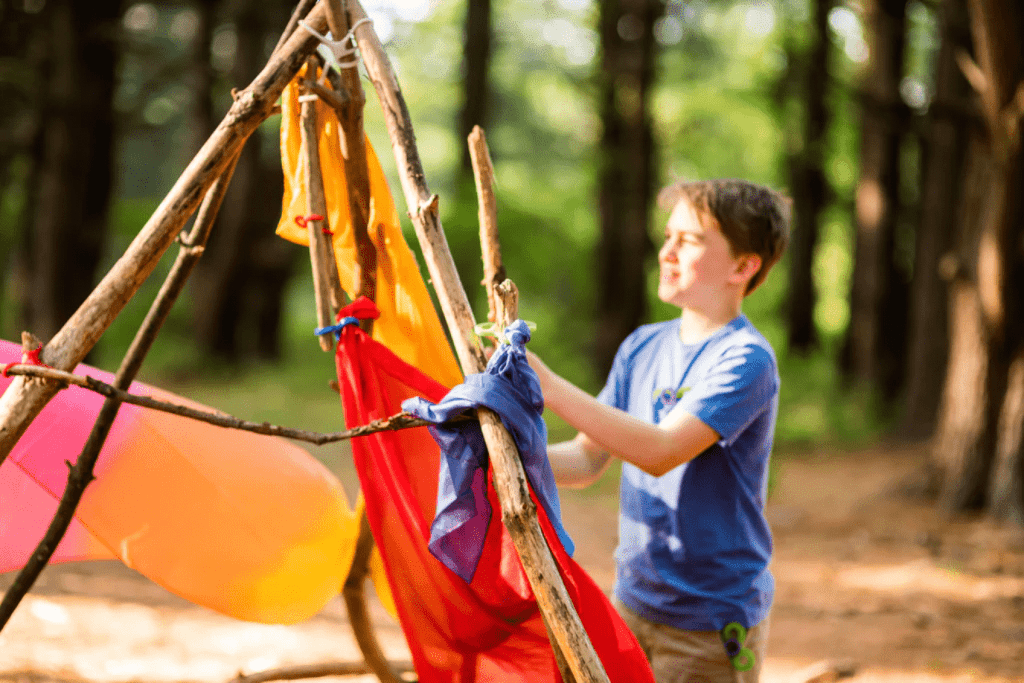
{"points": [[246, 268], [809, 185], [74, 152], [950, 117], [978, 449], [876, 336], [627, 176]]}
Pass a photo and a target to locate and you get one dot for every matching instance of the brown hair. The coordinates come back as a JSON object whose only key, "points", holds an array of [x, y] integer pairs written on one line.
{"points": [[754, 219]]}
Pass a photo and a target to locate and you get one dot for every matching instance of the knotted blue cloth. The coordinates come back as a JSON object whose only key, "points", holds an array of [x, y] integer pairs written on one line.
{"points": [[509, 387]]}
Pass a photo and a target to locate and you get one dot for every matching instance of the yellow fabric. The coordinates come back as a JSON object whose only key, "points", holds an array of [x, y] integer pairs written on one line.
{"points": [[408, 323]]}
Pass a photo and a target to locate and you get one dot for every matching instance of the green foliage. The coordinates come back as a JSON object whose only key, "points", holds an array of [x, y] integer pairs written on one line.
{"points": [[717, 111]]}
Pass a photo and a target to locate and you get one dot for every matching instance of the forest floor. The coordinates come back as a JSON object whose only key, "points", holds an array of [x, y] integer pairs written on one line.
{"points": [[867, 576]]}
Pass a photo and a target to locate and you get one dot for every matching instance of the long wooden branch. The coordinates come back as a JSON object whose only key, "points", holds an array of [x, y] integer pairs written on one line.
{"points": [[350, 103], [483, 176], [421, 202], [503, 303], [326, 284], [62, 379], [25, 397], [518, 511], [294, 673], [301, 9]]}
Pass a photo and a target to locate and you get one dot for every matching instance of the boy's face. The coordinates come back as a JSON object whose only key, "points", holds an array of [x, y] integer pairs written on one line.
{"points": [[696, 262]]}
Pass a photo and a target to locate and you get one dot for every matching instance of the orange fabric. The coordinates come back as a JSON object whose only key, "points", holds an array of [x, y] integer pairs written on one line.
{"points": [[251, 526], [408, 324]]}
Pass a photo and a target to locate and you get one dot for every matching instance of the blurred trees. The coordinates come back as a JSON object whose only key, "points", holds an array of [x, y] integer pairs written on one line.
{"points": [[810, 76], [59, 140], [949, 119], [240, 281], [876, 340], [979, 450], [627, 169], [476, 62]]}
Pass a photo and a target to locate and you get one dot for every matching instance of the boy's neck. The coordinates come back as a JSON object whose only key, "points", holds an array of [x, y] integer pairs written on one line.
{"points": [[696, 325]]}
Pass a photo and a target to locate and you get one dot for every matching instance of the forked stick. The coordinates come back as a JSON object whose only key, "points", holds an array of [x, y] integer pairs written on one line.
{"points": [[483, 175]]}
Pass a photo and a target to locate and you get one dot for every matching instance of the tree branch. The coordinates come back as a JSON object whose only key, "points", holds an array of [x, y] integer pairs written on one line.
{"points": [[483, 175], [293, 673], [63, 379]]}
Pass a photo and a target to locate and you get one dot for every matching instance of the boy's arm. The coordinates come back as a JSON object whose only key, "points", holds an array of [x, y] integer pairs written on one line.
{"points": [[655, 449], [578, 463]]}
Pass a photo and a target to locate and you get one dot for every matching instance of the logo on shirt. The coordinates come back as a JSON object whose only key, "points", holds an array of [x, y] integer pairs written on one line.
{"points": [[664, 399]]}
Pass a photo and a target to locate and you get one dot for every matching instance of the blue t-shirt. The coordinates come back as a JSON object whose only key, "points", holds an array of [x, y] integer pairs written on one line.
{"points": [[694, 543]]}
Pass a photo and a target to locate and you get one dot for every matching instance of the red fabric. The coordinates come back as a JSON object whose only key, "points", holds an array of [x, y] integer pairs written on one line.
{"points": [[487, 630]]}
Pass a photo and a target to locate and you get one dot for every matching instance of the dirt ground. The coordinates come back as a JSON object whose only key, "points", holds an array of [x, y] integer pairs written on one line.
{"points": [[866, 575]]}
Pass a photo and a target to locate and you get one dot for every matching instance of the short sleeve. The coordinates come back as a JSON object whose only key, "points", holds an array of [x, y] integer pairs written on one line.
{"points": [[738, 387], [615, 391]]}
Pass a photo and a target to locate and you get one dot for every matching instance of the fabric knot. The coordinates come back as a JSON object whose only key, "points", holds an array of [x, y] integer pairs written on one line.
{"points": [[517, 333], [362, 308], [303, 221]]}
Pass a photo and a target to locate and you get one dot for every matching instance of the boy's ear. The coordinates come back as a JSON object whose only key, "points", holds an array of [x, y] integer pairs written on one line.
{"points": [[747, 267]]}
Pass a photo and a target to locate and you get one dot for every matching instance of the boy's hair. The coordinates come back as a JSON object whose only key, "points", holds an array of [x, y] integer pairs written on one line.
{"points": [[753, 218]]}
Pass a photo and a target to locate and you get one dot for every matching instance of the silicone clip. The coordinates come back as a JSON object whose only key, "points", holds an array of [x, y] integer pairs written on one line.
{"points": [[494, 332]]}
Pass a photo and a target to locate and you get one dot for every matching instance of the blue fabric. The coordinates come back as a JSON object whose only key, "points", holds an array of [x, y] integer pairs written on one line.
{"points": [[509, 387], [694, 544]]}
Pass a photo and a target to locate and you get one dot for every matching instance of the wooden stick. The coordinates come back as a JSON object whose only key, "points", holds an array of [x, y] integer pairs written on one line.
{"points": [[483, 174], [326, 283], [301, 10], [518, 510], [349, 107], [348, 100], [81, 473], [502, 308], [354, 594], [422, 204], [24, 398], [62, 380], [294, 673]]}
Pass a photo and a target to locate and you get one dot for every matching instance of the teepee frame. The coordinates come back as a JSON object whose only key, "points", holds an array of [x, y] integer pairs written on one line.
{"points": [[204, 180]]}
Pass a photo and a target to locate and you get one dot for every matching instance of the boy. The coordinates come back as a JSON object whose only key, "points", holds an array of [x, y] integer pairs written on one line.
{"points": [[690, 408]]}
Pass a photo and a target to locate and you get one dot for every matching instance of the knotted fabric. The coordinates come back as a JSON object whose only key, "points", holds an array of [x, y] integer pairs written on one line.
{"points": [[509, 387]]}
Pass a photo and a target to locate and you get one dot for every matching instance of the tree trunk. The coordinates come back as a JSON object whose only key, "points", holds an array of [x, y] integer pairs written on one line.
{"points": [[876, 337], [809, 186], [75, 163], [627, 169], [950, 117], [245, 268], [476, 59], [982, 466], [201, 76]]}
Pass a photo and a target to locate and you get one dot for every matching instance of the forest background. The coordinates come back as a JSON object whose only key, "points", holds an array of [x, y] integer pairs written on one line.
{"points": [[893, 125]]}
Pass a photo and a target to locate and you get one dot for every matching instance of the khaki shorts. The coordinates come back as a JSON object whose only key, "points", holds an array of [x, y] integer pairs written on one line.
{"points": [[679, 656]]}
